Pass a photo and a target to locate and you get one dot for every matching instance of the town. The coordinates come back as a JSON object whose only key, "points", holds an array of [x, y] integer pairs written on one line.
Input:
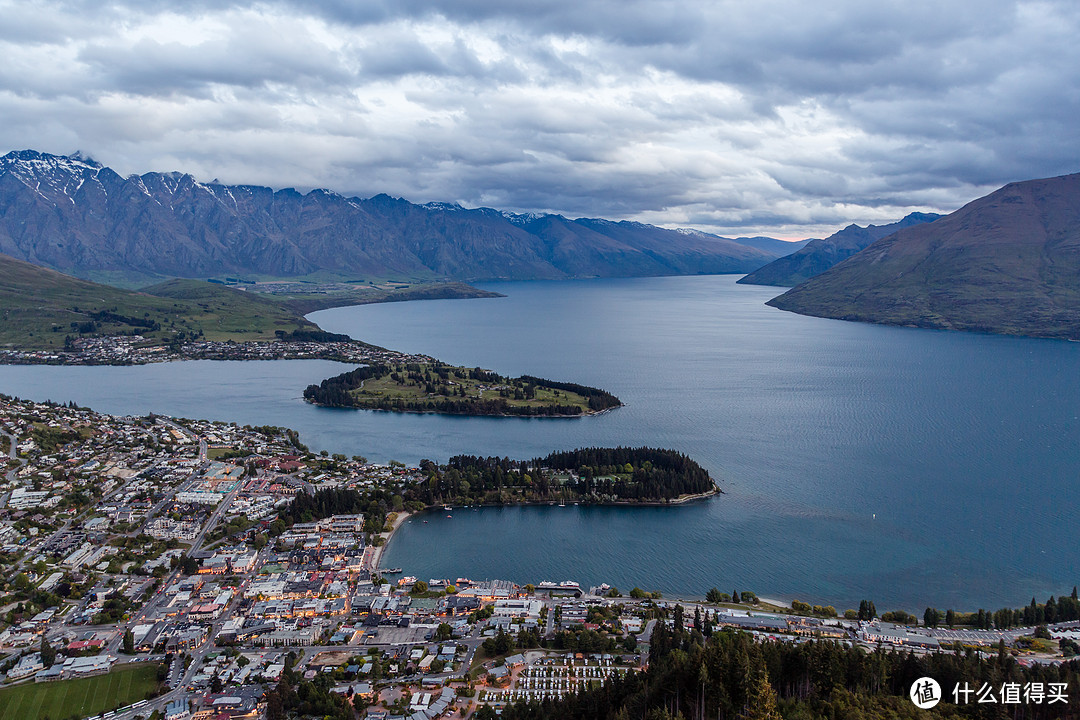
{"points": [[191, 558], [138, 350]]}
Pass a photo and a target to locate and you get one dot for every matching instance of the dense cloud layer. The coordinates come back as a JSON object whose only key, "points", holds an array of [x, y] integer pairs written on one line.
{"points": [[773, 117]]}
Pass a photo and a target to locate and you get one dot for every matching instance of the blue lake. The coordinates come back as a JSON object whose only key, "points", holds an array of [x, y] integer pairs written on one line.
{"points": [[910, 467]]}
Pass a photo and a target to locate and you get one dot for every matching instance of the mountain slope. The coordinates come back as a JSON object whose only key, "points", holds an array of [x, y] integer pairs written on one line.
{"points": [[1005, 263], [820, 255], [74, 215], [40, 308]]}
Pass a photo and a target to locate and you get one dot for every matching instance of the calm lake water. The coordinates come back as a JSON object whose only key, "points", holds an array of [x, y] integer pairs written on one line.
{"points": [[910, 467]]}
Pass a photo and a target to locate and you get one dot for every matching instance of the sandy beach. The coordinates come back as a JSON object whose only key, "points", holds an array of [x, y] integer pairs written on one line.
{"points": [[376, 556]]}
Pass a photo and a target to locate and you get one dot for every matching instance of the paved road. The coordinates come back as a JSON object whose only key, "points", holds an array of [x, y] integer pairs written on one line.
{"points": [[215, 517], [13, 455]]}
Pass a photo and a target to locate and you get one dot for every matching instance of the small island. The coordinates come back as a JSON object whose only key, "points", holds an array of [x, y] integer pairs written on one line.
{"points": [[435, 387]]}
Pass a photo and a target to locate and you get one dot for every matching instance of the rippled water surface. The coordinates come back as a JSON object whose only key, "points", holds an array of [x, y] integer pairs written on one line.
{"points": [[911, 467]]}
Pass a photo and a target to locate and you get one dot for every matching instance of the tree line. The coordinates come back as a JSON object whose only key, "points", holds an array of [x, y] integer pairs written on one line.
{"points": [[598, 399], [728, 674], [1064, 609], [334, 391]]}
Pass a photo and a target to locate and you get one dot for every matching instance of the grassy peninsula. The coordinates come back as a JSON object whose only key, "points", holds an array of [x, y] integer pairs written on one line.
{"points": [[440, 388]]}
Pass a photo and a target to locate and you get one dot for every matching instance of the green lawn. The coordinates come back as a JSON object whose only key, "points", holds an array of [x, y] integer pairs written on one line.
{"points": [[81, 697]]}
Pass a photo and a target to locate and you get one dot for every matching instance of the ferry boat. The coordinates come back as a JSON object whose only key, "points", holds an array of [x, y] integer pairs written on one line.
{"points": [[391, 571]]}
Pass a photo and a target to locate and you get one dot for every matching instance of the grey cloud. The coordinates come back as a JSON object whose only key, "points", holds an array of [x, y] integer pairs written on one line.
{"points": [[251, 57], [727, 115]]}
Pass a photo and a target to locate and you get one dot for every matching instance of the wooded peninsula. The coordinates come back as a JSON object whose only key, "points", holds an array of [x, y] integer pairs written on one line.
{"points": [[436, 387], [602, 476], [591, 475]]}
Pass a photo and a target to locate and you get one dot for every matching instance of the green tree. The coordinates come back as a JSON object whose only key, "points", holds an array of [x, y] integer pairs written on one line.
{"points": [[761, 698], [48, 653], [129, 642], [275, 710]]}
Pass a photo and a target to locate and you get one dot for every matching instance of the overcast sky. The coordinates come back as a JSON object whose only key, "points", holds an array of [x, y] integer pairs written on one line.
{"points": [[770, 117]]}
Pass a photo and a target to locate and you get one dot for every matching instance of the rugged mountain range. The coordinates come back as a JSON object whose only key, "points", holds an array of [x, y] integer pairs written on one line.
{"points": [[1005, 263], [74, 215], [819, 255]]}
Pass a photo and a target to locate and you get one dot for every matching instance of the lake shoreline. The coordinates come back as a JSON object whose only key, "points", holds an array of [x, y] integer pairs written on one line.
{"points": [[840, 446], [583, 414]]}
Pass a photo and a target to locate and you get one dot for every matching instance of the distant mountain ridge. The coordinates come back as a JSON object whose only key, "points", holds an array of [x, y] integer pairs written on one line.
{"points": [[819, 255], [1006, 263], [780, 248], [74, 215]]}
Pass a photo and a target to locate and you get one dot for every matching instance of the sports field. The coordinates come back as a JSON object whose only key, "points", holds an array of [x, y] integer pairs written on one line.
{"points": [[81, 697]]}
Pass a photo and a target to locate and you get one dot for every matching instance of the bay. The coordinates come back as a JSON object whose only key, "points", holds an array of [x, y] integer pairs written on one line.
{"points": [[910, 467]]}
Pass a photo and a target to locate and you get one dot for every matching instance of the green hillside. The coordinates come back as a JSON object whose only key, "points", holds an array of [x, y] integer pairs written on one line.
{"points": [[41, 308]]}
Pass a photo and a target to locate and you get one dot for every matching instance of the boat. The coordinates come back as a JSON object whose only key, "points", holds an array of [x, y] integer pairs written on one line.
{"points": [[449, 516], [391, 571]]}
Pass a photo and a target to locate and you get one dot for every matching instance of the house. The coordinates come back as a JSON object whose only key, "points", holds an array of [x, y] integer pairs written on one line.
{"points": [[93, 665], [27, 666], [177, 710], [514, 608], [214, 566], [500, 676]]}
